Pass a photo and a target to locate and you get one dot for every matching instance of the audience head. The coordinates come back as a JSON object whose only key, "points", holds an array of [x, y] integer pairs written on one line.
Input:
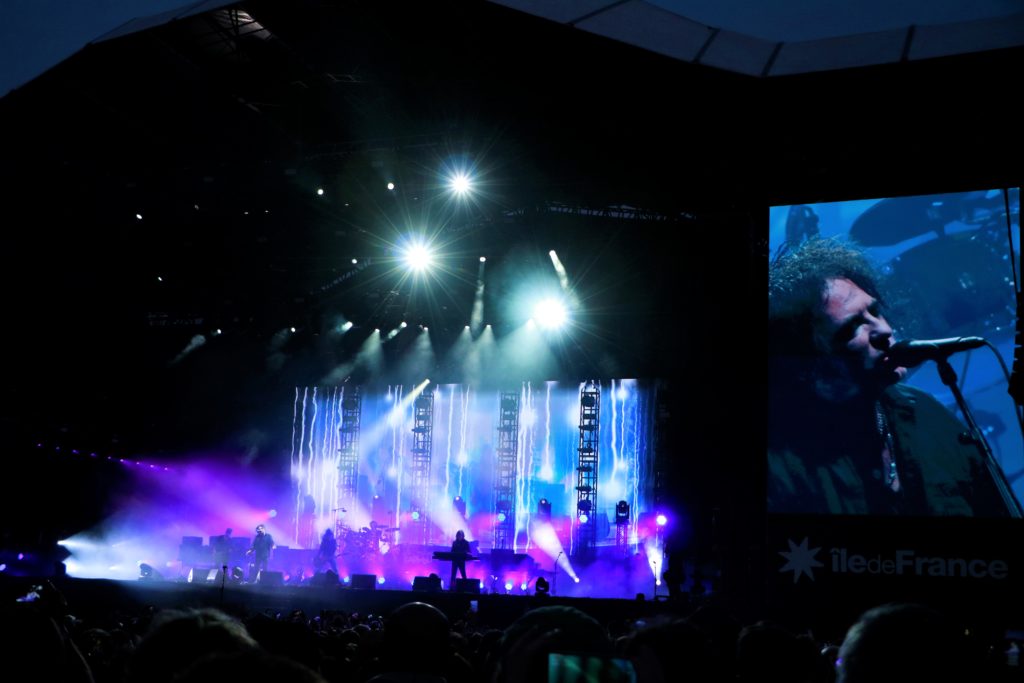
{"points": [[178, 638], [903, 642]]}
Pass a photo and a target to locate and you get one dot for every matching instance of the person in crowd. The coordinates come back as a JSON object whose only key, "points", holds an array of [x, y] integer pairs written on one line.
{"points": [[900, 642]]}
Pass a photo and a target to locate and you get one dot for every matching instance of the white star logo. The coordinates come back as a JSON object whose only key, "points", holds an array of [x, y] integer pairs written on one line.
{"points": [[800, 560]]}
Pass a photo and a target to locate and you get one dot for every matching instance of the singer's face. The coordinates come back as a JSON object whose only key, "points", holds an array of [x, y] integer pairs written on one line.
{"points": [[859, 337]]}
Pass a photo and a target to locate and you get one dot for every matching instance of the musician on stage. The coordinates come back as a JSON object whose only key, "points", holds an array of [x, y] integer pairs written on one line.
{"points": [[327, 552], [259, 551], [459, 545]]}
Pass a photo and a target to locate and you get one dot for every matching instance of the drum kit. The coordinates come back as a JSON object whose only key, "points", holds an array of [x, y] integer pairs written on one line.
{"points": [[955, 278], [366, 542]]}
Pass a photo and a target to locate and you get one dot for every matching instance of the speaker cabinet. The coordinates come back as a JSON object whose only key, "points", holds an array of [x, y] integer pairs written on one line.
{"points": [[268, 578], [467, 586], [430, 584], [366, 582]]}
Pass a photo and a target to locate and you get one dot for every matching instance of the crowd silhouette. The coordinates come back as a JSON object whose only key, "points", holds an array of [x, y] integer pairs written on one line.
{"points": [[419, 643]]}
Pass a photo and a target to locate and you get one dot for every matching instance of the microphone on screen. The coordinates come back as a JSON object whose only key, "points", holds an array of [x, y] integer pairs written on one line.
{"points": [[912, 352]]}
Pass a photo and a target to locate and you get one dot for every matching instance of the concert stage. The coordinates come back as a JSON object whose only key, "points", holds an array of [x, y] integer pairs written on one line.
{"points": [[619, 572], [101, 597]]}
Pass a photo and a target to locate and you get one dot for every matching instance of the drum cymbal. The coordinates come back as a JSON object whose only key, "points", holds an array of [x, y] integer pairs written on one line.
{"points": [[896, 219]]}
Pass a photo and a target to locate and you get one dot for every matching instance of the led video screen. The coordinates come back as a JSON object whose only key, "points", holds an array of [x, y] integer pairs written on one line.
{"points": [[887, 318]]}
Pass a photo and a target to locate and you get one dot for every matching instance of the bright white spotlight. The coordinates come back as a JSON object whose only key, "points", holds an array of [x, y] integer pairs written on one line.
{"points": [[292, 329], [460, 183], [418, 257], [319, 192], [662, 520], [483, 259], [403, 325], [391, 186], [550, 314]]}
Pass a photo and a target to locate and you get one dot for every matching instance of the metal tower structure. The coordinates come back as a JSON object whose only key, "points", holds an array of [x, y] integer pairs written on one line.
{"points": [[586, 468], [348, 458], [505, 473], [422, 442]]}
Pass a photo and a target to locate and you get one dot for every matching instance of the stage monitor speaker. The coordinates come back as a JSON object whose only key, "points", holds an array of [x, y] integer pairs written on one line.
{"points": [[467, 586], [204, 575], [268, 578], [366, 582], [431, 584], [327, 578]]}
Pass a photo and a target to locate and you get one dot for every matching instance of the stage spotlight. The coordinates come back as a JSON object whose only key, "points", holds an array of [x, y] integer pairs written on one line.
{"points": [[403, 325], [661, 520], [391, 186], [576, 579], [483, 259], [460, 505], [501, 516], [622, 512], [418, 257], [148, 573], [524, 585], [544, 509], [508, 586], [319, 192], [380, 580], [292, 329], [550, 313], [415, 515], [460, 183], [542, 587]]}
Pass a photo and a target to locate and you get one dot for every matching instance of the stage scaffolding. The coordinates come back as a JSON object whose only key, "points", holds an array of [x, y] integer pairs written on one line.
{"points": [[586, 469], [348, 458], [422, 443], [505, 473]]}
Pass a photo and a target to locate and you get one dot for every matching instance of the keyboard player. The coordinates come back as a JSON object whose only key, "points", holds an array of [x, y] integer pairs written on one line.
{"points": [[460, 549]]}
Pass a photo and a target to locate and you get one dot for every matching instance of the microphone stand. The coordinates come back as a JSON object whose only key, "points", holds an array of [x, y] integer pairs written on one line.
{"points": [[949, 378]]}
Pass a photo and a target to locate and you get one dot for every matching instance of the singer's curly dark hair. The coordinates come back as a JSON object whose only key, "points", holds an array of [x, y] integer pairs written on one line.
{"points": [[797, 281]]}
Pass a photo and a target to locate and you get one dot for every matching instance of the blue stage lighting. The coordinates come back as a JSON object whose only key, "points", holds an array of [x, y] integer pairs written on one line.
{"points": [[550, 314]]}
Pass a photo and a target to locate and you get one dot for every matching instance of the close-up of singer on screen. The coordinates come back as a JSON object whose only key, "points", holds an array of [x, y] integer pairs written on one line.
{"points": [[846, 435]]}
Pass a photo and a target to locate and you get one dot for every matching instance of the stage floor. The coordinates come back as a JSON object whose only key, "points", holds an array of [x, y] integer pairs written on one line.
{"points": [[99, 597]]}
